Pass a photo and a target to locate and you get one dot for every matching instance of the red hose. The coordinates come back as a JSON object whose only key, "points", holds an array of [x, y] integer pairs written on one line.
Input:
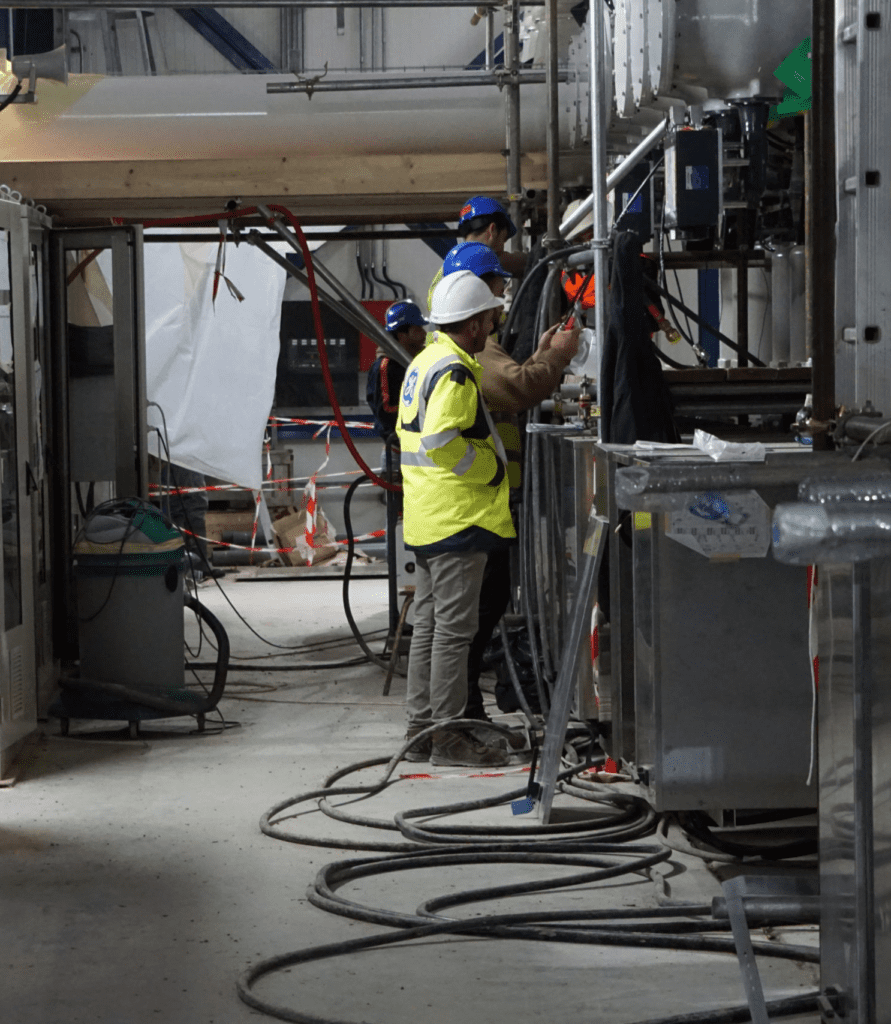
{"points": [[316, 314]]}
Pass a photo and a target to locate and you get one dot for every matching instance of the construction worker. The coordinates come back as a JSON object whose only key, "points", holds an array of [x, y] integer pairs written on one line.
{"points": [[404, 322], [486, 221], [509, 388], [456, 510]]}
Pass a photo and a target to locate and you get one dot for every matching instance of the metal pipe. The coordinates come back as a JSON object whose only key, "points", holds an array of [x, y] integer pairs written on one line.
{"points": [[135, 5], [619, 173], [342, 304], [490, 39], [598, 194], [820, 199], [315, 236], [552, 239], [773, 909], [742, 313], [512, 105], [373, 82]]}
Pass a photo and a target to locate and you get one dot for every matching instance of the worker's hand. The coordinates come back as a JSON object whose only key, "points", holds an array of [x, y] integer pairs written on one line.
{"points": [[566, 341]]}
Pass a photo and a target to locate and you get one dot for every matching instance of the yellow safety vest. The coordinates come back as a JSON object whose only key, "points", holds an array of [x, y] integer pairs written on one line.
{"points": [[505, 425], [453, 462]]}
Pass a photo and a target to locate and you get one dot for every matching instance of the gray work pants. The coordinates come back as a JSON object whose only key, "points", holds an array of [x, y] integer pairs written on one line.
{"points": [[447, 598]]}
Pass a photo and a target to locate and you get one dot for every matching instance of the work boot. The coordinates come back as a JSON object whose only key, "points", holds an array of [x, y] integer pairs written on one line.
{"points": [[460, 749], [515, 740], [421, 750]]}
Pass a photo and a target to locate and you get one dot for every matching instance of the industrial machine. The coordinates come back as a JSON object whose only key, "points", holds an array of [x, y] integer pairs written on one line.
{"points": [[657, 114]]}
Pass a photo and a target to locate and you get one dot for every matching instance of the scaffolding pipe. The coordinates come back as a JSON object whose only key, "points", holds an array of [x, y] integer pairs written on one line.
{"points": [[512, 66], [598, 193], [490, 39], [338, 300], [552, 240], [372, 82], [820, 207], [628, 164], [138, 5]]}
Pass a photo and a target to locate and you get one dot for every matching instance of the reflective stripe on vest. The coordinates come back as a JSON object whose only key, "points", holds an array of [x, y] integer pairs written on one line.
{"points": [[417, 424]]}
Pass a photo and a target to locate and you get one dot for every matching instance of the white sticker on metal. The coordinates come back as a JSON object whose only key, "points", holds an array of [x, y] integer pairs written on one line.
{"points": [[728, 524]]}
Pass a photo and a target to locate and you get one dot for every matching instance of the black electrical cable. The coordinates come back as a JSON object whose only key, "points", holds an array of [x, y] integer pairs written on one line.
{"points": [[127, 507], [361, 272], [598, 849], [507, 926], [530, 274], [403, 291], [515, 678], [351, 544], [304, 667], [383, 283], [652, 286]]}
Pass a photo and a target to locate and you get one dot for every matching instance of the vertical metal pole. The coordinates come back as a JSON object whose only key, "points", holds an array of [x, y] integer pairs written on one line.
{"points": [[864, 940], [490, 39], [361, 39], [512, 89], [599, 241], [742, 311], [553, 232], [821, 200]]}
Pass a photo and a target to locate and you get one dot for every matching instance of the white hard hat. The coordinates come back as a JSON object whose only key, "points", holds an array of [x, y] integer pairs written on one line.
{"points": [[459, 296], [583, 225]]}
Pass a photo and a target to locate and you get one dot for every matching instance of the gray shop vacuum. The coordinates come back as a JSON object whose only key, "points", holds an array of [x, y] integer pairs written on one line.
{"points": [[129, 562]]}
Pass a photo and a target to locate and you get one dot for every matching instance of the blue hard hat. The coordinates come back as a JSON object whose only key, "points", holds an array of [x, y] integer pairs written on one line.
{"points": [[483, 206], [404, 314], [474, 256]]}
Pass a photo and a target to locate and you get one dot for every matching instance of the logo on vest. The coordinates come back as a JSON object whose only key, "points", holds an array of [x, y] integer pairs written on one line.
{"points": [[408, 392]]}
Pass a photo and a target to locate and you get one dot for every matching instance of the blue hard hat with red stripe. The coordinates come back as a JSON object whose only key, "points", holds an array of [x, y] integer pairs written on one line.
{"points": [[483, 206], [473, 256], [404, 314]]}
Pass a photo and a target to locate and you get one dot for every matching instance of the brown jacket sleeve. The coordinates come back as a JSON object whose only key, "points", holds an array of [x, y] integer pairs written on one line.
{"points": [[512, 387]]}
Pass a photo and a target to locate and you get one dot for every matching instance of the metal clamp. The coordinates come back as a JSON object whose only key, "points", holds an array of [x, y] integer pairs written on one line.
{"points": [[309, 84]]}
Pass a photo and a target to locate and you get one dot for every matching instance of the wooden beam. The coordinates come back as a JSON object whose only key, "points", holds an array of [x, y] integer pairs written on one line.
{"points": [[368, 189]]}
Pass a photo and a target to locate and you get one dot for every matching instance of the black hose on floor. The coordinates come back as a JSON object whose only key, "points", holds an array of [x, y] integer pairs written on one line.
{"points": [[602, 846], [351, 547]]}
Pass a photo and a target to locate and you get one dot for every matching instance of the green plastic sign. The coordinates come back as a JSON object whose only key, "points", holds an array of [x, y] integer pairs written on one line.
{"points": [[796, 72]]}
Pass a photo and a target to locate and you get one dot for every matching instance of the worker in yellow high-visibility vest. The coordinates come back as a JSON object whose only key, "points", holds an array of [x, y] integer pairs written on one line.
{"points": [[456, 510], [509, 388]]}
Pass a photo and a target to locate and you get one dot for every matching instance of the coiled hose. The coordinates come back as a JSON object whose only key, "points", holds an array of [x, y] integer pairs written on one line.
{"points": [[593, 848]]}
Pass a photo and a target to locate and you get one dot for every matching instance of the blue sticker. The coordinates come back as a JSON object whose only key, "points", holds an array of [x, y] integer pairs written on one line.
{"points": [[636, 206], [408, 392], [713, 507], [776, 534]]}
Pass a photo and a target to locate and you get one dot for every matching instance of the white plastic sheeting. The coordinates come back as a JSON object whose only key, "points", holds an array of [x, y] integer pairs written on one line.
{"points": [[210, 367]]}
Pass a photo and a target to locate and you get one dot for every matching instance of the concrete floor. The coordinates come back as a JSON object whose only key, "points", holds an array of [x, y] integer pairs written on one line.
{"points": [[138, 886]]}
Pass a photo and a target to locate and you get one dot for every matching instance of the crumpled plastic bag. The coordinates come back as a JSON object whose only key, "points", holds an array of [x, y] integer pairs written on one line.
{"points": [[729, 451]]}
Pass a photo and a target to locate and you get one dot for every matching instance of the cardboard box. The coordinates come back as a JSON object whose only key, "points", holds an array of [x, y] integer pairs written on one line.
{"points": [[290, 532]]}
